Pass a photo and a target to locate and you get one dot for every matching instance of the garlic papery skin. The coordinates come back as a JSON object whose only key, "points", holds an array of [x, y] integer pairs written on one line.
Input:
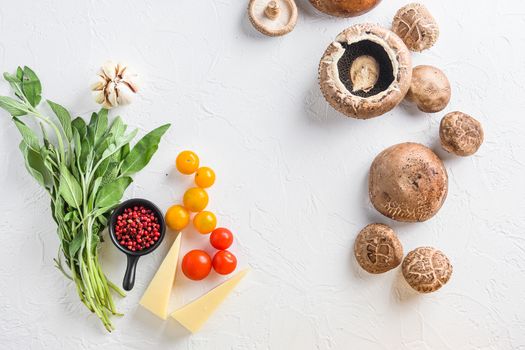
{"points": [[115, 85]]}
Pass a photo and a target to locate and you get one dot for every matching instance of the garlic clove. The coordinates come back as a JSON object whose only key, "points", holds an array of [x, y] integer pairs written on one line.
{"points": [[99, 97], [111, 94], [125, 94], [131, 85], [107, 105], [130, 79], [120, 68], [110, 70], [99, 84]]}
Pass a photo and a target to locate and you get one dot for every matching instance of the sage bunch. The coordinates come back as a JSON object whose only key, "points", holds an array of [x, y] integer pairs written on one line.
{"points": [[85, 168]]}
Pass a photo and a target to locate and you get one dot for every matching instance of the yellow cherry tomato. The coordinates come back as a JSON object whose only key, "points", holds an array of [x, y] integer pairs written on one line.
{"points": [[195, 199], [205, 222], [204, 177], [177, 217], [187, 162]]}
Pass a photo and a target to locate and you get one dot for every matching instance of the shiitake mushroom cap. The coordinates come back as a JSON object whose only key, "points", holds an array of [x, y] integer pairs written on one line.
{"points": [[377, 249], [394, 76], [416, 26], [408, 182], [344, 8], [426, 269], [460, 134]]}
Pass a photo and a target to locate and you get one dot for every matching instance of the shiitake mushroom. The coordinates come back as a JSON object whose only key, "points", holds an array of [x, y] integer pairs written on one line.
{"points": [[416, 26], [377, 249], [426, 269], [460, 134], [365, 72]]}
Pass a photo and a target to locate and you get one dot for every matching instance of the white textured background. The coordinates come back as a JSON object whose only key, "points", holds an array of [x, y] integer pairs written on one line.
{"points": [[291, 178]]}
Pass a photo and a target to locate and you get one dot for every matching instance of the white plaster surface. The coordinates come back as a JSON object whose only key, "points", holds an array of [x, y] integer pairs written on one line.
{"points": [[292, 178]]}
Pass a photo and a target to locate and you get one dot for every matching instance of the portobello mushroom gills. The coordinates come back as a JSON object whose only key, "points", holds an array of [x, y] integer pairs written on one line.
{"points": [[365, 48]]}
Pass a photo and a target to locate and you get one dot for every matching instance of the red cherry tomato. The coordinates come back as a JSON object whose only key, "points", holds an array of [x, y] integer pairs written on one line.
{"points": [[196, 265], [224, 262], [221, 238]]}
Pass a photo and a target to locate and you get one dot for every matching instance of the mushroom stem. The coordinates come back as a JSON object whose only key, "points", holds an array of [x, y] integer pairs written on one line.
{"points": [[364, 73], [272, 10]]}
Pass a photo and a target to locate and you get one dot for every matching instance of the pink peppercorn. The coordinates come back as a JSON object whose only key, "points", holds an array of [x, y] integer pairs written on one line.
{"points": [[137, 228]]}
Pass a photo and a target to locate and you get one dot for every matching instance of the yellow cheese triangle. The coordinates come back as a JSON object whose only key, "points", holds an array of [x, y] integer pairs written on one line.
{"points": [[195, 314], [157, 295]]}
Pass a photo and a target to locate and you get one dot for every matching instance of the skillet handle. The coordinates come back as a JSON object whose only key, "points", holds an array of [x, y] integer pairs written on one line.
{"points": [[129, 276]]}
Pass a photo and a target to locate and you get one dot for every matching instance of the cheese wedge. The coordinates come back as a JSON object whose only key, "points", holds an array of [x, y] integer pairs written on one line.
{"points": [[195, 314], [157, 296]]}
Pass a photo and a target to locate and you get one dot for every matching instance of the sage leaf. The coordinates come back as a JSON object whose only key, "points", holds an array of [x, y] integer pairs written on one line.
{"points": [[142, 152], [103, 114], [69, 188], [124, 151], [87, 150], [35, 165], [78, 144], [12, 106], [10, 78], [102, 146], [111, 172], [111, 193], [117, 127], [76, 243], [57, 209], [97, 126], [31, 87], [80, 125], [94, 190], [114, 148], [16, 84], [64, 117], [37, 175], [28, 135], [69, 216], [19, 73], [102, 168], [74, 167]]}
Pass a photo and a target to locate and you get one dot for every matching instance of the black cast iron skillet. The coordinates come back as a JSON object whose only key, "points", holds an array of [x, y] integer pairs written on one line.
{"points": [[133, 257]]}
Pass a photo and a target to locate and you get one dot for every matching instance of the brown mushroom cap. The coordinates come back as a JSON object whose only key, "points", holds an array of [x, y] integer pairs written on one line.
{"points": [[460, 134], [377, 249], [408, 182], [392, 81], [426, 269], [429, 89], [273, 17], [344, 8], [416, 26]]}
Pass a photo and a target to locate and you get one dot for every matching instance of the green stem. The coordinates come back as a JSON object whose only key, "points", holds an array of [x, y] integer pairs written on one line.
{"points": [[115, 288], [53, 126]]}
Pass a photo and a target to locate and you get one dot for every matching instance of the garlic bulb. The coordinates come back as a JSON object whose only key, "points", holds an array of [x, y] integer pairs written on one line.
{"points": [[115, 85]]}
